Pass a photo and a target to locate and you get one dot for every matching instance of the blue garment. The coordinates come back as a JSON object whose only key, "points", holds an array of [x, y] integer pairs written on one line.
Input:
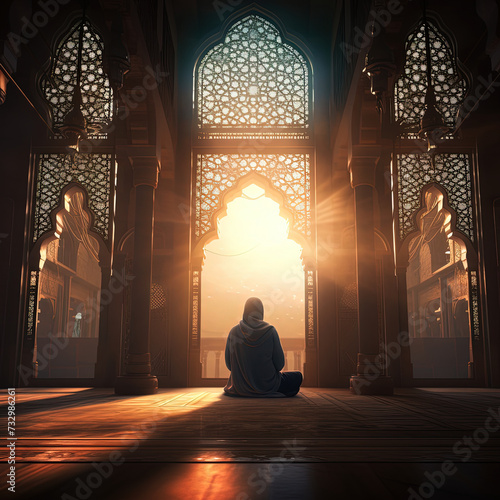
{"points": [[290, 383], [255, 357]]}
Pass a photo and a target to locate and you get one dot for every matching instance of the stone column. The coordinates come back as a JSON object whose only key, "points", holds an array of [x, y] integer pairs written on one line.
{"points": [[138, 379], [204, 362], [370, 377]]}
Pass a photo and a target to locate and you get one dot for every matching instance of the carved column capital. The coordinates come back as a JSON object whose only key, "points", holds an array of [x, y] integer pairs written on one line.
{"points": [[146, 169], [362, 170]]}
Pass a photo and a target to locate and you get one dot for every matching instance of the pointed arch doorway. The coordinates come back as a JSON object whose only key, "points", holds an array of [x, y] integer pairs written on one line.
{"points": [[252, 247], [253, 253], [68, 265], [252, 131]]}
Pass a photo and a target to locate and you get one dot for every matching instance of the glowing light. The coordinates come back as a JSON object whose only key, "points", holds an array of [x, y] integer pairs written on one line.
{"points": [[253, 257]]}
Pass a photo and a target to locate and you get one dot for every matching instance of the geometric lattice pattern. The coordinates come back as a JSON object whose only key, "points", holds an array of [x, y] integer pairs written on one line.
{"points": [[158, 299], [55, 171], [288, 173], [451, 171], [253, 80], [96, 92], [449, 85]]}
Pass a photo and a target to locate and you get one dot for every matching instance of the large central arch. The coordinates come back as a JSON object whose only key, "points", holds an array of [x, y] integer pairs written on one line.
{"points": [[252, 254], [253, 110]]}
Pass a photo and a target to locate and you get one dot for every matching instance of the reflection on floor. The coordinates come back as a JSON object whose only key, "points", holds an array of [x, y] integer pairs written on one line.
{"points": [[197, 443]]}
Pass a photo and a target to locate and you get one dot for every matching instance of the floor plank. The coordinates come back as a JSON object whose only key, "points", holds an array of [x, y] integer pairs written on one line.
{"points": [[200, 443]]}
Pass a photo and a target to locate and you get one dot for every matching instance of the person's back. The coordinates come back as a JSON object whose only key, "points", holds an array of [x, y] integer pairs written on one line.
{"points": [[255, 357]]}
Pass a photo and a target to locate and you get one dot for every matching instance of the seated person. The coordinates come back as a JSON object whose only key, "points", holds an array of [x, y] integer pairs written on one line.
{"points": [[254, 357]]}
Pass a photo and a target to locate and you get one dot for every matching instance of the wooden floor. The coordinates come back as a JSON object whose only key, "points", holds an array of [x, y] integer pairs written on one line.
{"points": [[197, 443]]}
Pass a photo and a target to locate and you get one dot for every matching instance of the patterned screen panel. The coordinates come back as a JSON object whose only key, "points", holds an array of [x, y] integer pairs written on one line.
{"points": [[452, 171], [288, 173], [253, 83], [96, 91], [449, 85], [55, 171]]}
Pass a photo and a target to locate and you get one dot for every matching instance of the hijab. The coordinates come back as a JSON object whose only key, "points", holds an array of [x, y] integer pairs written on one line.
{"points": [[253, 323]]}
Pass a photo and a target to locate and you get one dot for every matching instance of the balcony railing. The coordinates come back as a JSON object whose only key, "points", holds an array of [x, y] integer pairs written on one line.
{"points": [[213, 350]]}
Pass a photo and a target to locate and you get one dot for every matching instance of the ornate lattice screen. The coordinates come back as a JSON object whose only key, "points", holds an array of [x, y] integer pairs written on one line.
{"points": [[449, 84], [97, 94], [55, 171], [452, 171], [288, 173], [253, 84]]}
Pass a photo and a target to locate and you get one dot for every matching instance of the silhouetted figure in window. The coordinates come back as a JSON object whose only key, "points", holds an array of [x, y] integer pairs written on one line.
{"points": [[255, 357]]}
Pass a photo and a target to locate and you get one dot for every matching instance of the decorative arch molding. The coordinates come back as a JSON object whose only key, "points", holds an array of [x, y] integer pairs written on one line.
{"points": [[35, 254], [49, 235], [403, 253], [234, 192], [451, 171], [289, 173], [243, 12], [57, 171]]}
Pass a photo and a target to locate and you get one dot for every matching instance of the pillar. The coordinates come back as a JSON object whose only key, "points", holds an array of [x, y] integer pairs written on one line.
{"points": [[217, 363], [370, 377], [204, 363], [138, 379]]}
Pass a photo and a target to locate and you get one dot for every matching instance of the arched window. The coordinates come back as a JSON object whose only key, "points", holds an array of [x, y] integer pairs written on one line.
{"points": [[94, 169], [252, 91], [449, 84], [450, 170], [59, 84], [434, 197], [67, 326], [439, 302], [253, 84], [72, 213]]}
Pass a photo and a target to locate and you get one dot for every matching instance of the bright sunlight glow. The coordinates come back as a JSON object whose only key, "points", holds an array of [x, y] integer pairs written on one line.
{"points": [[252, 257]]}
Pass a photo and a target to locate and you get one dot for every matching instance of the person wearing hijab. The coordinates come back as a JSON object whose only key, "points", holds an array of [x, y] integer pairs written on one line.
{"points": [[255, 358]]}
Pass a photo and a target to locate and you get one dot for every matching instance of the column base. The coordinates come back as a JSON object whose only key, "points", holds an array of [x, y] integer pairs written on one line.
{"points": [[136, 385], [369, 386]]}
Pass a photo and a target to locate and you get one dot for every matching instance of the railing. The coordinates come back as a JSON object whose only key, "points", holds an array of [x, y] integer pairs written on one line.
{"points": [[213, 351]]}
